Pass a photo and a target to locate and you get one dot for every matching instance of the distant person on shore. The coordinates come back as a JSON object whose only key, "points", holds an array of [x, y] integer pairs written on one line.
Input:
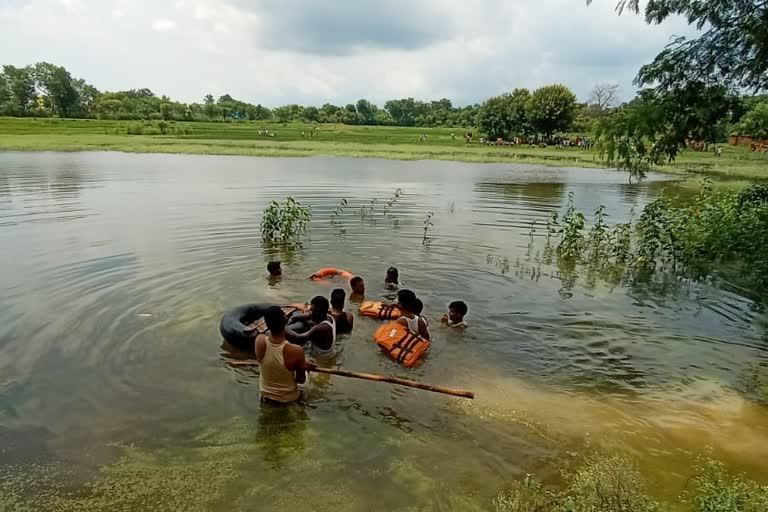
{"points": [[406, 300], [457, 310], [281, 364], [344, 320], [322, 333], [358, 289], [392, 279]]}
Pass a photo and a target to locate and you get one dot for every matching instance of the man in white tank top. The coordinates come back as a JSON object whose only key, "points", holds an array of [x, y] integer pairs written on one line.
{"points": [[406, 300], [281, 364]]}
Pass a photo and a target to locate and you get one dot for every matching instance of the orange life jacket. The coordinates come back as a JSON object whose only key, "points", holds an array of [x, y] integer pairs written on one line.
{"points": [[404, 346], [380, 311]]}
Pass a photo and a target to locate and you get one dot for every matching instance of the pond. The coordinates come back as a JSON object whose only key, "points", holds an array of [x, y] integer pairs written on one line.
{"points": [[114, 392]]}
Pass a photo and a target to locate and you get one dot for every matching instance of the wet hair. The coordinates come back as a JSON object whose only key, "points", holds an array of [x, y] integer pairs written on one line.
{"points": [[319, 307], [392, 275], [275, 320], [418, 307], [273, 267], [338, 296], [355, 281], [459, 306], [407, 300]]}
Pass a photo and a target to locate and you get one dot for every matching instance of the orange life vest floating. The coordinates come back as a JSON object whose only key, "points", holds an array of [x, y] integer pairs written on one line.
{"points": [[331, 272], [380, 311], [402, 345]]}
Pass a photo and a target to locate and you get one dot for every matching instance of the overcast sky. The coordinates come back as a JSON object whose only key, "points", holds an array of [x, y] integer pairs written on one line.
{"points": [[311, 51]]}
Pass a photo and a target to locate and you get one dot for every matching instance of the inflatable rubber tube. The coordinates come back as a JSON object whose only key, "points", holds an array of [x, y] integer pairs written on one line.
{"points": [[235, 322], [331, 272]]}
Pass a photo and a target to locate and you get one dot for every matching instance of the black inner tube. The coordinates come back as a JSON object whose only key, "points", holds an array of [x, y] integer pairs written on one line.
{"points": [[235, 321]]}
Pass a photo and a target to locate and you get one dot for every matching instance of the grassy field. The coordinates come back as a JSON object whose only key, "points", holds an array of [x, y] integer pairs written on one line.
{"points": [[298, 139]]}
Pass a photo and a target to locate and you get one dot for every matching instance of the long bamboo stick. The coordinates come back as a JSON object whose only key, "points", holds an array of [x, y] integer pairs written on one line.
{"points": [[374, 377]]}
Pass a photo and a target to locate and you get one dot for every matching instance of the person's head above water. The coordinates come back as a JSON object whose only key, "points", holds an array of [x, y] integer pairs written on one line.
{"points": [[392, 276], [456, 311], [418, 307], [275, 320], [357, 284], [274, 269], [318, 308], [406, 299], [338, 296]]}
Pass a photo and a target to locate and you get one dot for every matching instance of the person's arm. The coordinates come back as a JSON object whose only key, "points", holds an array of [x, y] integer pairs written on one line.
{"points": [[299, 339], [296, 362], [351, 320], [261, 347], [423, 331]]}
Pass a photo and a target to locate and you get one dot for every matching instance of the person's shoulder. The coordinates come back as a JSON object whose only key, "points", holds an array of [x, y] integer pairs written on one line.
{"points": [[295, 351]]}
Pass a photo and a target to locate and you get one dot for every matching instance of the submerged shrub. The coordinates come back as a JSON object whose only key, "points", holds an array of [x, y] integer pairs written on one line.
{"points": [[285, 223], [715, 490], [600, 484]]}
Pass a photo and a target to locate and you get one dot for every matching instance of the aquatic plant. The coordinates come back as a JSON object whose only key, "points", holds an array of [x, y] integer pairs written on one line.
{"points": [[601, 483], [391, 202], [717, 230], [715, 490], [338, 211], [427, 224], [285, 223]]}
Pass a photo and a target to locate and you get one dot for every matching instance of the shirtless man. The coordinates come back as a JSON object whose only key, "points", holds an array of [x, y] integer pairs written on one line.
{"points": [[322, 334], [281, 364], [344, 320]]}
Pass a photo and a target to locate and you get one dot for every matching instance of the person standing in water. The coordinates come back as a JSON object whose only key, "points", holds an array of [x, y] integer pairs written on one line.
{"points": [[358, 289], [391, 280], [322, 334], [344, 320], [281, 364], [406, 300]]}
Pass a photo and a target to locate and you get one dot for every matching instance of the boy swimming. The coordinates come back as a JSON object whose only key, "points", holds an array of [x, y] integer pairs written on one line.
{"points": [[457, 310]]}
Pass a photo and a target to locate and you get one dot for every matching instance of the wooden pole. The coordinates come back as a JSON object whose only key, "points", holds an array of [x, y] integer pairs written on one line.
{"points": [[372, 376]]}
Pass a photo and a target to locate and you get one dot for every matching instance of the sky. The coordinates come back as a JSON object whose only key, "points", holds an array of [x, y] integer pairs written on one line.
{"points": [[310, 52]]}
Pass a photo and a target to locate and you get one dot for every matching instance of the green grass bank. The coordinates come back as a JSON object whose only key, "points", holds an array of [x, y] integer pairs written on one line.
{"points": [[300, 139]]}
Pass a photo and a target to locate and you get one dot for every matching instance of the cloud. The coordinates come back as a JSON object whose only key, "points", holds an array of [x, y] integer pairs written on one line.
{"points": [[162, 25], [300, 51], [343, 28]]}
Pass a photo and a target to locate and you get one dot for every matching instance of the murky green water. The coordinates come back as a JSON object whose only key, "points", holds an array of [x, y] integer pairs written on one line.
{"points": [[115, 269]]}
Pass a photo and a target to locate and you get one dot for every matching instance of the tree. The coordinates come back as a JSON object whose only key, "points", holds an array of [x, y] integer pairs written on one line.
{"points": [[366, 111], [732, 50], [283, 114], [755, 122], [311, 114], [552, 109], [59, 86], [604, 95], [505, 115], [21, 85], [208, 100]]}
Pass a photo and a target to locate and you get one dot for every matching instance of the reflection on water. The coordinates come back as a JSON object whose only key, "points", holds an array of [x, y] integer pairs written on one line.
{"points": [[115, 270]]}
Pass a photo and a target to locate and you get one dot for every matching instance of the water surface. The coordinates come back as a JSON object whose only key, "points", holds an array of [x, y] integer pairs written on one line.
{"points": [[116, 268]]}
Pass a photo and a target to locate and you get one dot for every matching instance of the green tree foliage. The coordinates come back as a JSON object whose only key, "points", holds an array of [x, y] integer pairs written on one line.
{"points": [[552, 109], [755, 122], [20, 82], [505, 116], [57, 84], [653, 127]]}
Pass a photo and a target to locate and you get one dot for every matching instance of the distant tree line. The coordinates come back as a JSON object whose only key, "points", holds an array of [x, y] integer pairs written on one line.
{"points": [[47, 90]]}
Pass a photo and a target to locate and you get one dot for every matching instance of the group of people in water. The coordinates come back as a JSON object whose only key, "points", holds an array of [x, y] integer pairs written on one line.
{"points": [[280, 350]]}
